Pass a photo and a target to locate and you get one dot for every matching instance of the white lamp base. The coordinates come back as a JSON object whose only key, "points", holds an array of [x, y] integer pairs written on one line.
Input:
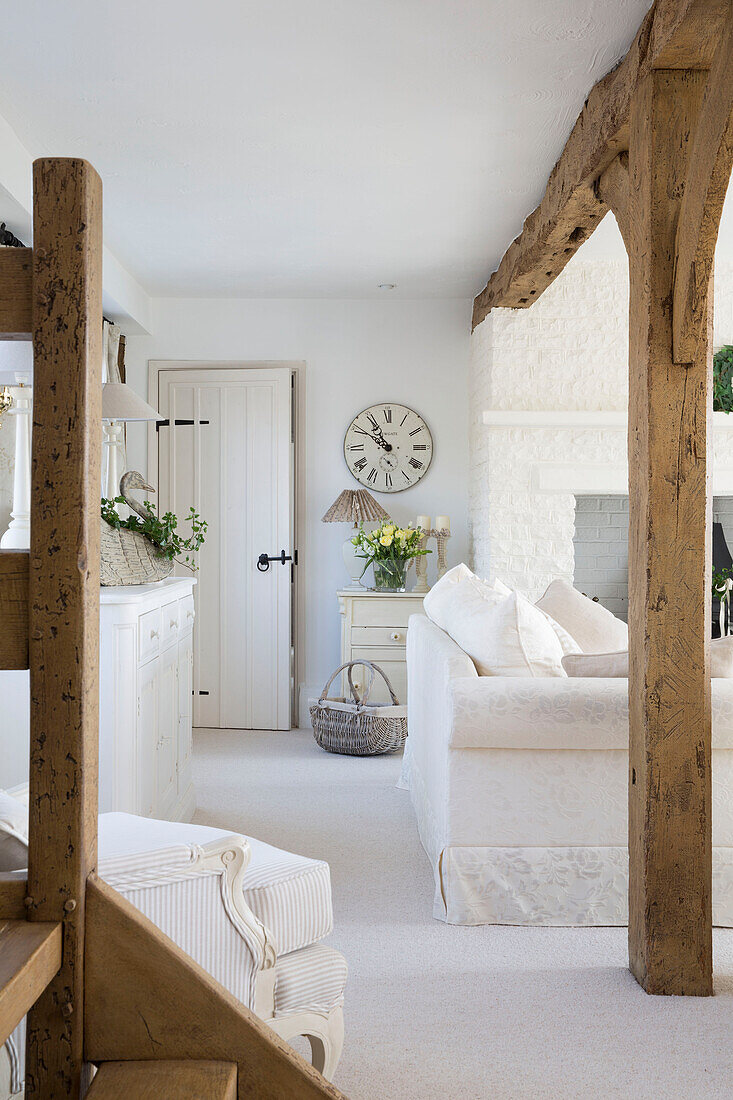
{"points": [[354, 567]]}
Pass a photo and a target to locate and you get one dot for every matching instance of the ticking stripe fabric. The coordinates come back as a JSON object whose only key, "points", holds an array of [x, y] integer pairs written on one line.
{"points": [[311, 980], [290, 894]]}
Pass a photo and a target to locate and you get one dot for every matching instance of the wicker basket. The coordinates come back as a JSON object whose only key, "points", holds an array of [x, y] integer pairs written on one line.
{"points": [[129, 558], [358, 727]]}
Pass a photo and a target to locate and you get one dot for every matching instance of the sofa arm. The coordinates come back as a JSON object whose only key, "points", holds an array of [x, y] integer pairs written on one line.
{"points": [[194, 894], [506, 712]]}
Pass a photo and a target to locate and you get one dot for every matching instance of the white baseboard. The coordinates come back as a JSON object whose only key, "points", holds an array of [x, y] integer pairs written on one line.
{"points": [[305, 693]]}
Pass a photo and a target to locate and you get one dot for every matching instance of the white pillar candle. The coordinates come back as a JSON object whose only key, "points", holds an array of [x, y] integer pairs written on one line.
{"points": [[17, 536], [442, 523], [424, 522]]}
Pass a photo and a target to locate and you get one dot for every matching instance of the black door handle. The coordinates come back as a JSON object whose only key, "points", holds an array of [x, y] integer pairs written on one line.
{"points": [[263, 562]]}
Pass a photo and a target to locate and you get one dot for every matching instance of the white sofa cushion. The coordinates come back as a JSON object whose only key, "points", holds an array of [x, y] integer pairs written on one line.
{"points": [[13, 833], [313, 979], [511, 713], [290, 894], [504, 635], [592, 626]]}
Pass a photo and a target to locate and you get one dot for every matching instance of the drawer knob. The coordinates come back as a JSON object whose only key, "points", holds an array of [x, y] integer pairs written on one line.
{"points": [[174, 624], [154, 634], [189, 614], [396, 636]]}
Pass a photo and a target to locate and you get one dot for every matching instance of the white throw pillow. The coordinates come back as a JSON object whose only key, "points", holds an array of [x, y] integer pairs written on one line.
{"points": [[592, 626], [459, 597], [504, 635], [617, 664], [13, 833]]}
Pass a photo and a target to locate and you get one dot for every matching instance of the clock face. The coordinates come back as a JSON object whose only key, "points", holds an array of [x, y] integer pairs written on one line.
{"points": [[388, 447]]}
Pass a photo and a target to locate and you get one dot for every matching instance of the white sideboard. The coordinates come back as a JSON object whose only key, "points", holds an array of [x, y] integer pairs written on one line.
{"points": [[374, 628], [146, 665]]}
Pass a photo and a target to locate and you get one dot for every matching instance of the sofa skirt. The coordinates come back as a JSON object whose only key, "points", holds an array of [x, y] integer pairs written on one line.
{"points": [[584, 885]]}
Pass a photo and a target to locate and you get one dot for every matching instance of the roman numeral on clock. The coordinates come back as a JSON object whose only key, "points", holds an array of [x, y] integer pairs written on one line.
{"points": [[415, 447], [388, 480], [388, 415], [373, 422], [416, 464], [416, 430], [360, 464], [359, 447], [372, 476]]}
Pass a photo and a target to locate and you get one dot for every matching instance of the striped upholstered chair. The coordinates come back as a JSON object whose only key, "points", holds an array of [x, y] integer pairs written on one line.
{"points": [[251, 915]]}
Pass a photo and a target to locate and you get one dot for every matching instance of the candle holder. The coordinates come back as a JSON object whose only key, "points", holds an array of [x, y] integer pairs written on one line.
{"points": [[421, 568], [441, 536]]}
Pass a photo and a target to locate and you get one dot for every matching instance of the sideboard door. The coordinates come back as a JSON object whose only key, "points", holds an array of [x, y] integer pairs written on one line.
{"points": [[185, 711], [165, 764], [147, 730]]}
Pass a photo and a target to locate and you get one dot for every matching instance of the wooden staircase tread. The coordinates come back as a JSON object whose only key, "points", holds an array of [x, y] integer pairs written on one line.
{"points": [[165, 1080], [30, 956]]}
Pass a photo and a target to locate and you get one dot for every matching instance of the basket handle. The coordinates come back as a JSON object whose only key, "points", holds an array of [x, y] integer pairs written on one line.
{"points": [[374, 668], [355, 695], [348, 665]]}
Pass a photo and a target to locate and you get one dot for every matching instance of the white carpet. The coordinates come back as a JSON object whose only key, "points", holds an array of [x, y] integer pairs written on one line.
{"points": [[437, 1012]]}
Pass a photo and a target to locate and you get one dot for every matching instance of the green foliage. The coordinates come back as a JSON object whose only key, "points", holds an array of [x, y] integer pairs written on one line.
{"points": [[161, 531], [723, 379], [720, 577]]}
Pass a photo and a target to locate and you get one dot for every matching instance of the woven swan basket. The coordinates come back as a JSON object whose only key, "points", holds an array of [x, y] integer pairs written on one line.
{"points": [[129, 558], [356, 727]]}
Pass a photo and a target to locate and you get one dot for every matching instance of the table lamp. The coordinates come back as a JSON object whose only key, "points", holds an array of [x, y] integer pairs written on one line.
{"points": [[120, 403], [354, 506]]}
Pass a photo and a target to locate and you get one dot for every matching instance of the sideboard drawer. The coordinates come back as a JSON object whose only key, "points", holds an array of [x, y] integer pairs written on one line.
{"points": [[375, 611], [169, 623], [379, 635], [186, 614], [149, 634]]}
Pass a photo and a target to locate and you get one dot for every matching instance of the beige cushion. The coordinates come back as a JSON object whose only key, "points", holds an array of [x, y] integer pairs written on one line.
{"points": [[13, 833], [592, 626], [617, 664]]}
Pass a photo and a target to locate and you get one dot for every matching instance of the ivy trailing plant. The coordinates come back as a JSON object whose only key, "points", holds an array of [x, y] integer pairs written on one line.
{"points": [[160, 530], [723, 379]]}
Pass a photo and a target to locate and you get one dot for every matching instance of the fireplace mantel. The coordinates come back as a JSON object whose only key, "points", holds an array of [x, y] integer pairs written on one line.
{"points": [[577, 420]]}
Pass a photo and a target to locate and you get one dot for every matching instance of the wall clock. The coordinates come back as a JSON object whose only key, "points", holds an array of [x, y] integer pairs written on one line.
{"points": [[388, 447]]}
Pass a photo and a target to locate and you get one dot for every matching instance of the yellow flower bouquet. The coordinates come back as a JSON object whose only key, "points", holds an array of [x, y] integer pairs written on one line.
{"points": [[390, 549]]}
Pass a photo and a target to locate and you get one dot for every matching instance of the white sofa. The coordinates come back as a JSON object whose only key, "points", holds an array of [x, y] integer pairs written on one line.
{"points": [[251, 915], [520, 790]]}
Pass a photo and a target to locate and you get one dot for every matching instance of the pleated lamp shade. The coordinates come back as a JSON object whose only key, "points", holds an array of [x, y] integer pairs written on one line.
{"points": [[120, 402], [355, 506]]}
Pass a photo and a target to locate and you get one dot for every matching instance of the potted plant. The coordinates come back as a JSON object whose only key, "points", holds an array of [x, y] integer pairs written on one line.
{"points": [[723, 379], [389, 549]]}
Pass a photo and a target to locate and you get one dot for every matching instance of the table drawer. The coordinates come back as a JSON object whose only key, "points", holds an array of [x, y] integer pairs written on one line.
{"points": [[394, 613], [379, 635], [169, 623], [148, 626]]}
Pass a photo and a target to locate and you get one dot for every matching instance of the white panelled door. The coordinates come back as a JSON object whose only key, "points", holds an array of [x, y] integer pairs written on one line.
{"points": [[228, 450]]}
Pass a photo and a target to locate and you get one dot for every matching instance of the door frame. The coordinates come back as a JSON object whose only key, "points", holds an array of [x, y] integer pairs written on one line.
{"points": [[297, 368]]}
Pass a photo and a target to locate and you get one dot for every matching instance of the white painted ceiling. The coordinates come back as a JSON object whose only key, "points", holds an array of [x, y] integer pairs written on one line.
{"points": [[309, 148]]}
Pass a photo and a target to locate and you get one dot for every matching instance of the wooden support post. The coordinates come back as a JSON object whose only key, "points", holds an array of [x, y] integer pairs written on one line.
{"points": [[670, 845], [64, 598]]}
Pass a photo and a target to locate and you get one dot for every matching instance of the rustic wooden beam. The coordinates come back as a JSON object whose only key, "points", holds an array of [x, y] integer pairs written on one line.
{"points": [[707, 181], [13, 609], [613, 191], [670, 35], [64, 598], [670, 845], [16, 293], [145, 998]]}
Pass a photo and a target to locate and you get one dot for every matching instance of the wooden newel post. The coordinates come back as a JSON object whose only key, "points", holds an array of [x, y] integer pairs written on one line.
{"points": [[670, 844], [64, 598]]}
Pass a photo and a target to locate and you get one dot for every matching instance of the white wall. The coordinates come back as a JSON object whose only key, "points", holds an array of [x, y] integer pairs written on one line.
{"points": [[356, 353]]}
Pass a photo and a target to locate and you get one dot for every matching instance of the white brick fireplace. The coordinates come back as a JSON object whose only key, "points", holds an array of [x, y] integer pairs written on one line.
{"points": [[548, 420]]}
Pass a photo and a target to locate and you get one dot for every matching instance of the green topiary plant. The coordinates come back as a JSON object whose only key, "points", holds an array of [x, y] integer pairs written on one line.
{"points": [[723, 379]]}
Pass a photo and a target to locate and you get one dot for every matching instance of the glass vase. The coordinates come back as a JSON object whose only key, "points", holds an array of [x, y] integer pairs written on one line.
{"points": [[390, 576]]}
